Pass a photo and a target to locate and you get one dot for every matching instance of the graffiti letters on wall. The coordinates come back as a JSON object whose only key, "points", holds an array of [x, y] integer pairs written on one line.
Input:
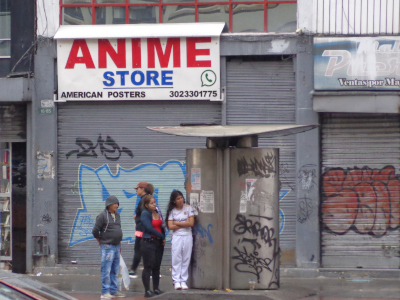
{"points": [[366, 201], [109, 148], [95, 185]]}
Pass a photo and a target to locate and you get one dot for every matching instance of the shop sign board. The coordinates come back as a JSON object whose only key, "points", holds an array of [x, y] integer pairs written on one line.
{"points": [[166, 68], [357, 63]]}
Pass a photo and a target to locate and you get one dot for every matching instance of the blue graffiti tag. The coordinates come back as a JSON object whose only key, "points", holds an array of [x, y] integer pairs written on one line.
{"points": [[282, 194], [199, 229], [95, 185], [86, 221]]}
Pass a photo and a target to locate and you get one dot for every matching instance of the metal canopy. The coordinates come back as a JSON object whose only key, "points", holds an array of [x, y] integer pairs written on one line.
{"points": [[205, 29], [216, 131]]}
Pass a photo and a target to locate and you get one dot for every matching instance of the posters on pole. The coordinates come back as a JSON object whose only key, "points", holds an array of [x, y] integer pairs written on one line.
{"points": [[194, 203], [196, 179], [250, 189], [243, 203], [207, 201]]}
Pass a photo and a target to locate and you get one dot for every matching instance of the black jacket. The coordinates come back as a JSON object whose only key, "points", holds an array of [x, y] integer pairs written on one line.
{"points": [[106, 229]]}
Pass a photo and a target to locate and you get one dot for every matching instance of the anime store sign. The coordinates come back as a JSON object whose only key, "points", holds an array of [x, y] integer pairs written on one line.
{"points": [[357, 63], [167, 68]]}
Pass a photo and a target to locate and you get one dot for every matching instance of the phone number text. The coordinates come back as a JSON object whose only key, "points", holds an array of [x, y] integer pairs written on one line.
{"points": [[189, 94]]}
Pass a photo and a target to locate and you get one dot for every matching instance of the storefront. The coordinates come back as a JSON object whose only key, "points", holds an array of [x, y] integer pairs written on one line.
{"points": [[13, 187], [105, 148], [357, 98]]}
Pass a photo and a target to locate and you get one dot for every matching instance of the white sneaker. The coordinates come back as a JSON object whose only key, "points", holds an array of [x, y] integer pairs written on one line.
{"points": [[106, 296], [177, 286], [118, 295], [184, 286]]}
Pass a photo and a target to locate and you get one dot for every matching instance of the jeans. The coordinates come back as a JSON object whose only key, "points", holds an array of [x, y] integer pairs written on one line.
{"points": [[152, 252], [109, 268], [138, 255]]}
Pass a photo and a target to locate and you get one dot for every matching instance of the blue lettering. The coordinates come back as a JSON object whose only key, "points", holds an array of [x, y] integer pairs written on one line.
{"points": [[133, 77], [164, 77], [107, 76], [122, 74], [152, 76]]}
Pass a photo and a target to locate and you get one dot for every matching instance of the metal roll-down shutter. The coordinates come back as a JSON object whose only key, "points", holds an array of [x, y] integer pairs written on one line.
{"points": [[360, 206], [105, 149], [263, 92]]}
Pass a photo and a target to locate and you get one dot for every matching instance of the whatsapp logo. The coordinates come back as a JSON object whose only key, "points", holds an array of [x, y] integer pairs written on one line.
{"points": [[208, 78]]}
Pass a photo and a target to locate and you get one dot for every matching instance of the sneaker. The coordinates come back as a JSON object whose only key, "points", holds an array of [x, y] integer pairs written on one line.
{"points": [[106, 296], [177, 286], [184, 286], [118, 295], [148, 294], [132, 274], [151, 276]]}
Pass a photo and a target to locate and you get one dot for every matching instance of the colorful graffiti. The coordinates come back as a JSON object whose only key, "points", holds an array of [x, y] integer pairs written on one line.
{"points": [[95, 185], [364, 200]]}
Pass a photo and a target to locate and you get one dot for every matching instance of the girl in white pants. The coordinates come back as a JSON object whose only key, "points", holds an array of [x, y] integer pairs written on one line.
{"points": [[180, 220]]}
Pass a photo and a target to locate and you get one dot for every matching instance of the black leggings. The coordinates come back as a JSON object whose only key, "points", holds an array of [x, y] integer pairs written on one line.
{"points": [[152, 253], [138, 254]]}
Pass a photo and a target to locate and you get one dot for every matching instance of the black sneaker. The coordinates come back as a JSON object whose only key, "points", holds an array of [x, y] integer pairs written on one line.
{"points": [[132, 274], [148, 294]]}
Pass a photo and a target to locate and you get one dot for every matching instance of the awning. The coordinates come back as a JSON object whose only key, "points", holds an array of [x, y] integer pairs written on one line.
{"points": [[208, 29], [232, 130]]}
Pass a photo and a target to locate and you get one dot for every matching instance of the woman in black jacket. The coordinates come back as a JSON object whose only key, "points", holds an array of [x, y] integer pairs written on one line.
{"points": [[152, 245], [142, 189]]}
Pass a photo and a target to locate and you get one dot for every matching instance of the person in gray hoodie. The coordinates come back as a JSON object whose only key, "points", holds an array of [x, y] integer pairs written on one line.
{"points": [[108, 234]]}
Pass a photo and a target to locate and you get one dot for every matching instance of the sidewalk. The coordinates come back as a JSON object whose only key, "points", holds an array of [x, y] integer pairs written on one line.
{"points": [[87, 287]]}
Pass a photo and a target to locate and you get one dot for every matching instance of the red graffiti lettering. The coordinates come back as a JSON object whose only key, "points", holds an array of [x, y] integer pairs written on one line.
{"points": [[364, 200]]}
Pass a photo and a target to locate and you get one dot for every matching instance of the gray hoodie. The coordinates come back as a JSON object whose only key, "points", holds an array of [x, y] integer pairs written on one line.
{"points": [[106, 228]]}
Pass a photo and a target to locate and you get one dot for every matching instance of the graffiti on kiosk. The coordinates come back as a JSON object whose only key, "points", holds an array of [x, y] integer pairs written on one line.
{"points": [[199, 229], [100, 183], [254, 235], [262, 168], [109, 148], [364, 200]]}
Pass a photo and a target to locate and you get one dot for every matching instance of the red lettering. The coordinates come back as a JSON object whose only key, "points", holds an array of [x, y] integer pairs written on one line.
{"points": [[192, 52], [73, 58], [118, 57], [136, 54], [164, 57]]}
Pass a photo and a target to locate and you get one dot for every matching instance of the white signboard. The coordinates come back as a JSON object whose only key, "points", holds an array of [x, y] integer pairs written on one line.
{"points": [[185, 68]]}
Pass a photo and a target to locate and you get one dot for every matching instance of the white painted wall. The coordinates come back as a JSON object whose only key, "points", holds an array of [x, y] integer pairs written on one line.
{"points": [[48, 17], [363, 17], [305, 15]]}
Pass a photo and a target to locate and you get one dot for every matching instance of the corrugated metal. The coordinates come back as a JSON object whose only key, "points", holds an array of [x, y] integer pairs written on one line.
{"points": [[263, 92], [120, 153], [360, 191], [13, 123], [357, 17]]}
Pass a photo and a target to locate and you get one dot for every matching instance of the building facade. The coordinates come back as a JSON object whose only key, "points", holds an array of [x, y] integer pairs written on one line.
{"points": [[271, 70]]}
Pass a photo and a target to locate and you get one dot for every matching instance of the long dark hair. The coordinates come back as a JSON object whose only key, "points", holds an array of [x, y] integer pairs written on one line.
{"points": [[171, 205]]}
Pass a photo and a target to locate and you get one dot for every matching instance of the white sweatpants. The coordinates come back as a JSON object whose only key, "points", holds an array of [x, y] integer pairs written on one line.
{"points": [[181, 251]]}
